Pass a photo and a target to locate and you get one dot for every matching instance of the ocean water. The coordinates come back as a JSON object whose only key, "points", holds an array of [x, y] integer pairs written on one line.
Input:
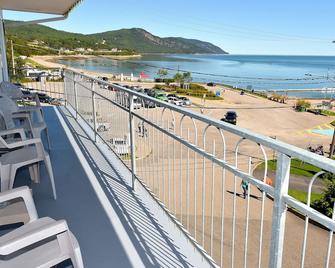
{"points": [[255, 71]]}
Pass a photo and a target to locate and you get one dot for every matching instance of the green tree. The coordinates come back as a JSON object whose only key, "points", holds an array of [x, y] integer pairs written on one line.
{"points": [[178, 77], [162, 73], [187, 77], [325, 204]]}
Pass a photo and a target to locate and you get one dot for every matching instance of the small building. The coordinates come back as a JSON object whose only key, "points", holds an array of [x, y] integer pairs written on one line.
{"points": [[80, 49]]}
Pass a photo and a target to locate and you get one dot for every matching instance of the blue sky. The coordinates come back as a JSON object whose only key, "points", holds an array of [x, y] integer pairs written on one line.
{"points": [[295, 27]]}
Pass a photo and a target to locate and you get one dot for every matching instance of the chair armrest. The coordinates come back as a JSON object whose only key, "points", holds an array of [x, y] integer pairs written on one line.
{"points": [[14, 145], [30, 234], [33, 109], [14, 131], [29, 108], [21, 115], [37, 100], [25, 193]]}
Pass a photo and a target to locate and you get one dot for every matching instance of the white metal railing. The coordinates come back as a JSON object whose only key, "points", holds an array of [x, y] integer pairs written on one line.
{"points": [[192, 164]]}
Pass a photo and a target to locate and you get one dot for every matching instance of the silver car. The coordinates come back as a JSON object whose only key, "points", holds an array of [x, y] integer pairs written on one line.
{"points": [[186, 101]]}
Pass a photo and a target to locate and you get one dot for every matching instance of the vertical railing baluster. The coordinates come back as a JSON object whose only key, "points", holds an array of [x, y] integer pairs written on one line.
{"points": [[169, 167], [212, 201], [94, 112], [188, 184], [181, 176], [203, 191], [309, 193], [163, 163], [174, 176], [153, 158], [64, 88], [158, 160], [222, 209], [330, 241], [75, 95], [279, 210], [195, 190], [247, 217], [132, 139]]}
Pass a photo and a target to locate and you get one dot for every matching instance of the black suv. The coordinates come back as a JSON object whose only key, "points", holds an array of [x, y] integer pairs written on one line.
{"points": [[211, 84], [230, 117]]}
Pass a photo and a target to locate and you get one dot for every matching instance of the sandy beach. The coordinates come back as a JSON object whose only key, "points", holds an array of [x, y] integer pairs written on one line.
{"points": [[50, 62]]}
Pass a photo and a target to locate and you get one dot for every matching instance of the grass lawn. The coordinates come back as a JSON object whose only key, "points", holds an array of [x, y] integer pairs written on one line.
{"points": [[302, 195], [297, 167]]}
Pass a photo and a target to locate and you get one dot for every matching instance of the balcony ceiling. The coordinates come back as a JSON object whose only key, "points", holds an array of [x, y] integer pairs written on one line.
{"points": [[59, 7]]}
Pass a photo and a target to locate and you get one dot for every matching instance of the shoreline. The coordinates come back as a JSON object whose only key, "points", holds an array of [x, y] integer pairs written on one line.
{"points": [[49, 62]]}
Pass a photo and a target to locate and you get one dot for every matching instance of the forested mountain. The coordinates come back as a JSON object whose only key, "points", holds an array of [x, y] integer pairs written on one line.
{"points": [[134, 39]]}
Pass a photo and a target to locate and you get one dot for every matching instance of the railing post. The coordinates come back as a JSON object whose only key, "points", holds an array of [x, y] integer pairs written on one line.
{"points": [[94, 112], [132, 139], [279, 210], [75, 94], [64, 87]]}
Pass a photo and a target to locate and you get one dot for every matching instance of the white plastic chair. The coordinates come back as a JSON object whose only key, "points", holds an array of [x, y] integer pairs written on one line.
{"points": [[21, 192], [11, 112], [11, 90], [14, 92], [27, 153], [42, 243]]}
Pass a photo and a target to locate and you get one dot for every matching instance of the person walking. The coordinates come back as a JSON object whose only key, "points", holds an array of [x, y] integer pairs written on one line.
{"points": [[245, 187]]}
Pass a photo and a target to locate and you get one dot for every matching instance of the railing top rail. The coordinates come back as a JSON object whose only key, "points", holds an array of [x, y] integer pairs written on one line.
{"points": [[290, 150]]}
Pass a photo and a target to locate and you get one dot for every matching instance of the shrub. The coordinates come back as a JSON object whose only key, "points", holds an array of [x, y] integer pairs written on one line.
{"points": [[164, 80], [194, 90], [326, 203], [302, 105]]}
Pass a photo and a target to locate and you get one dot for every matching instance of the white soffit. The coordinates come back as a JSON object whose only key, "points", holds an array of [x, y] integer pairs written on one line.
{"points": [[56, 7]]}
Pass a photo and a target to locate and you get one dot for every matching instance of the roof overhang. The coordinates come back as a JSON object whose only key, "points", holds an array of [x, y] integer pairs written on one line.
{"points": [[56, 7]]}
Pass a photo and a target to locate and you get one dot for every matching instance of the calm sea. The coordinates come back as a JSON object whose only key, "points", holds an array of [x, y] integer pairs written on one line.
{"points": [[257, 72]]}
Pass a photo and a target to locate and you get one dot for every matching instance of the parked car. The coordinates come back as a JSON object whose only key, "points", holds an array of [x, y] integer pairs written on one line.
{"points": [[56, 101], [137, 102], [139, 90], [172, 95], [150, 92], [149, 104], [230, 117], [44, 97], [160, 95], [186, 101], [27, 94], [100, 125], [211, 84], [103, 78], [147, 90], [175, 101]]}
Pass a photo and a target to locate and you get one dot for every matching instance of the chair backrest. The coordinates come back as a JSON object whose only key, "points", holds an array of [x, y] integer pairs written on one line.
{"points": [[12, 91], [2, 127], [7, 108], [2, 122]]}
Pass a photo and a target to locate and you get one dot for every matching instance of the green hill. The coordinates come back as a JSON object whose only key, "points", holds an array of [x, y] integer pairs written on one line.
{"points": [[134, 39], [142, 41]]}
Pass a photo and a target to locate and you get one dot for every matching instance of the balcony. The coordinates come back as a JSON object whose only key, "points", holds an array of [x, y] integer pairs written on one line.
{"points": [[160, 186]]}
